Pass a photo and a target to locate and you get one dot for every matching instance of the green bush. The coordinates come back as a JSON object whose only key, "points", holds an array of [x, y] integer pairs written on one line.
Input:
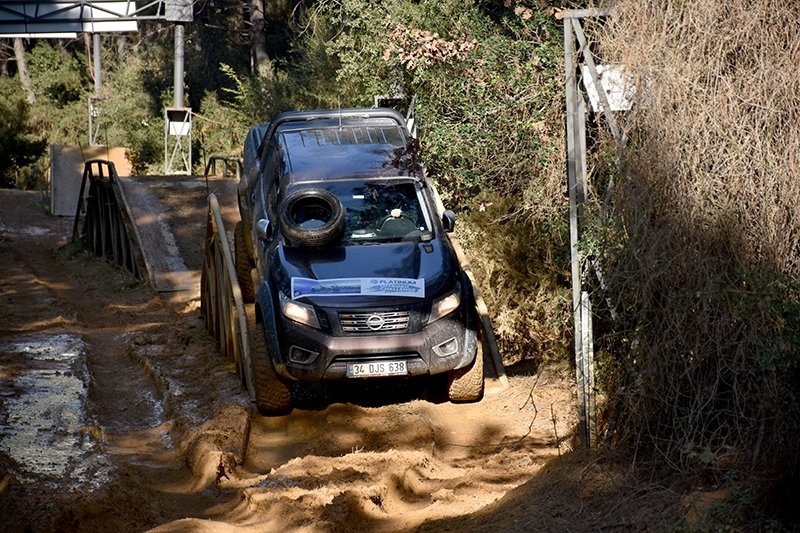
{"points": [[62, 88], [134, 117], [19, 146], [489, 108]]}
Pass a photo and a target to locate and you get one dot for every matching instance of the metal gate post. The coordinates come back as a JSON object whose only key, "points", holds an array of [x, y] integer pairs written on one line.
{"points": [[94, 101], [575, 190], [178, 74], [577, 183]]}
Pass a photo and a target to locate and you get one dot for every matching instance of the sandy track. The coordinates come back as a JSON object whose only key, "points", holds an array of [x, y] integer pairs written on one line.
{"points": [[175, 445]]}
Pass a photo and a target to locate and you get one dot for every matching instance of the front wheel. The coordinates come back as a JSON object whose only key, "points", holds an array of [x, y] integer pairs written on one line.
{"points": [[273, 396], [466, 384]]}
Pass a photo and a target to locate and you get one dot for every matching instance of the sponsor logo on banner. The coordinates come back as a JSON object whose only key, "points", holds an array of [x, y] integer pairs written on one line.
{"points": [[414, 288]]}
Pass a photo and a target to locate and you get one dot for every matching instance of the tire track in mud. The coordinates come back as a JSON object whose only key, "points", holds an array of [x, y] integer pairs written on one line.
{"points": [[396, 466], [87, 440]]}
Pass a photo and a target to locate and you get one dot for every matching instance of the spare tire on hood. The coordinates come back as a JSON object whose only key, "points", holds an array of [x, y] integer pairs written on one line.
{"points": [[312, 217]]}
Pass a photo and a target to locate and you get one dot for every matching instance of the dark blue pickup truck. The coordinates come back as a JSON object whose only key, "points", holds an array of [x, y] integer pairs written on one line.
{"points": [[344, 249]]}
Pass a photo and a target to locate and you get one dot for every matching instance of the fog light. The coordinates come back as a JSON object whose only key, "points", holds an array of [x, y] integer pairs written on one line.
{"points": [[448, 347], [302, 356]]}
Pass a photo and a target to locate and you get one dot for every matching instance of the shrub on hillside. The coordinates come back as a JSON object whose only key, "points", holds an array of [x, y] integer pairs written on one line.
{"points": [[706, 266]]}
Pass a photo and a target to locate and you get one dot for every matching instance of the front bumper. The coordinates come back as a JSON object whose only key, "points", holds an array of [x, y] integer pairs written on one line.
{"points": [[418, 350]]}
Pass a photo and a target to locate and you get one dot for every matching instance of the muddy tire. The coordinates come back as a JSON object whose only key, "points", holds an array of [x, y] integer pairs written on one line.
{"points": [[243, 265], [466, 384], [273, 396], [312, 217]]}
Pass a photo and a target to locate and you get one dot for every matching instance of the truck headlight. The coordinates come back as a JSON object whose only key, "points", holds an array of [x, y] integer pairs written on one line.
{"points": [[299, 312], [445, 305]]}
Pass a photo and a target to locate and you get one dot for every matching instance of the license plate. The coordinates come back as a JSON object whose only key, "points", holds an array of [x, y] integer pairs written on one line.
{"points": [[379, 368]]}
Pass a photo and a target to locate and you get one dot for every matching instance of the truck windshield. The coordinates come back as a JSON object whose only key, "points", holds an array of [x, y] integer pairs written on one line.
{"points": [[382, 211]]}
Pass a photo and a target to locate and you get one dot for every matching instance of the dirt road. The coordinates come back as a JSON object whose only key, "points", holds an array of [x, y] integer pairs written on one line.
{"points": [[117, 413]]}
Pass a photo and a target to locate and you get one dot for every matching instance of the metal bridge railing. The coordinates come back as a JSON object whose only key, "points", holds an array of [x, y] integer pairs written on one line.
{"points": [[221, 300], [102, 223], [227, 161]]}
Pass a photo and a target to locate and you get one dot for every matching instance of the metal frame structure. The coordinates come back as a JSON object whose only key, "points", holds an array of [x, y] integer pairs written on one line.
{"points": [[95, 120], [54, 19], [40, 15], [577, 181], [178, 140], [101, 220]]}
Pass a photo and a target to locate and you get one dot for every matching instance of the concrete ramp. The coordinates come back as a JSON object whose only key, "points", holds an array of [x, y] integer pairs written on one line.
{"points": [[169, 216]]}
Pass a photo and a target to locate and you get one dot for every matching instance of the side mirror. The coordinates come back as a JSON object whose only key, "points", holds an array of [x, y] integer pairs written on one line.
{"points": [[263, 229], [449, 220]]}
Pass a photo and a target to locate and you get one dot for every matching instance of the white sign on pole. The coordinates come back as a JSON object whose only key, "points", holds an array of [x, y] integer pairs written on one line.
{"points": [[617, 84]]}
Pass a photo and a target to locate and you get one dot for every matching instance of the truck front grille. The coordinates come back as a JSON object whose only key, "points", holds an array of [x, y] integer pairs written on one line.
{"points": [[375, 322]]}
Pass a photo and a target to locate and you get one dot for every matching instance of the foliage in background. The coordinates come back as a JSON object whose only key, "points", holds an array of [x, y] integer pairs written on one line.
{"points": [[19, 146], [58, 77], [489, 107], [133, 117], [61, 88], [704, 258]]}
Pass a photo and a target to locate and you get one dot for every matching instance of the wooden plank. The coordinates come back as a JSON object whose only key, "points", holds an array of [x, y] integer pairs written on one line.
{"points": [[216, 228], [587, 13], [154, 226], [496, 361], [601, 92], [166, 269]]}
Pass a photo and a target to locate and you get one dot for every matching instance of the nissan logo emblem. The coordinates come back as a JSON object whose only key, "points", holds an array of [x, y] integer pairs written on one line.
{"points": [[375, 322]]}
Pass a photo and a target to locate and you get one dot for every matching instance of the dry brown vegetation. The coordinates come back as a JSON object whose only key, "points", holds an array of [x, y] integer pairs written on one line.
{"points": [[704, 235]]}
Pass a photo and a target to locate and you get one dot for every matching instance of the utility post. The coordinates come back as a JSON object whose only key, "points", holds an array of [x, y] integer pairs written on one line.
{"points": [[576, 186], [95, 100], [179, 65], [178, 119]]}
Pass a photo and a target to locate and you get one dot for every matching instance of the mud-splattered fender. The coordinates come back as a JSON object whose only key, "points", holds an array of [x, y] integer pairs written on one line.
{"points": [[269, 318], [471, 323]]}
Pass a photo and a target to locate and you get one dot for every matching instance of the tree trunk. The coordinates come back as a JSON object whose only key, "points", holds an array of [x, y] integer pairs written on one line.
{"points": [[122, 48], [87, 46], [260, 61], [22, 69]]}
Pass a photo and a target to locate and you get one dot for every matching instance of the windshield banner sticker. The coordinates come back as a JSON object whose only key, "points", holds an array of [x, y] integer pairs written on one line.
{"points": [[414, 288]]}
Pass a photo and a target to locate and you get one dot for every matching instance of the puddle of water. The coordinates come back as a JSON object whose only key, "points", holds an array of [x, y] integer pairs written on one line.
{"points": [[42, 410], [32, 231]]}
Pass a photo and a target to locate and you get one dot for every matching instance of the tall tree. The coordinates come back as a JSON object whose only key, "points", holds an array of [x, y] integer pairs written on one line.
{"points": [[22, 69], [260, 61]]}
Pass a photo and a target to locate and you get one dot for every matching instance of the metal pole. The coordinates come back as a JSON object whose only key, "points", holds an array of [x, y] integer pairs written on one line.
{"points": [[96, 50], [179, 42], [573, 161]]}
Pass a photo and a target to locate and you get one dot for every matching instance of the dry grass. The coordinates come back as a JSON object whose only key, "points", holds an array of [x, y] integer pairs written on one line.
{"points": [[518, 261], [708, 266]]}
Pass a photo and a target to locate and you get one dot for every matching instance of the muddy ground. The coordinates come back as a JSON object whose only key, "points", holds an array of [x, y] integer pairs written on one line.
{"points": [[117, 413]]}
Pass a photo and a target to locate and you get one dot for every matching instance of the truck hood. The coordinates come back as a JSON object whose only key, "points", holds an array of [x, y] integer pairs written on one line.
{"points": [[432, 262]]}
